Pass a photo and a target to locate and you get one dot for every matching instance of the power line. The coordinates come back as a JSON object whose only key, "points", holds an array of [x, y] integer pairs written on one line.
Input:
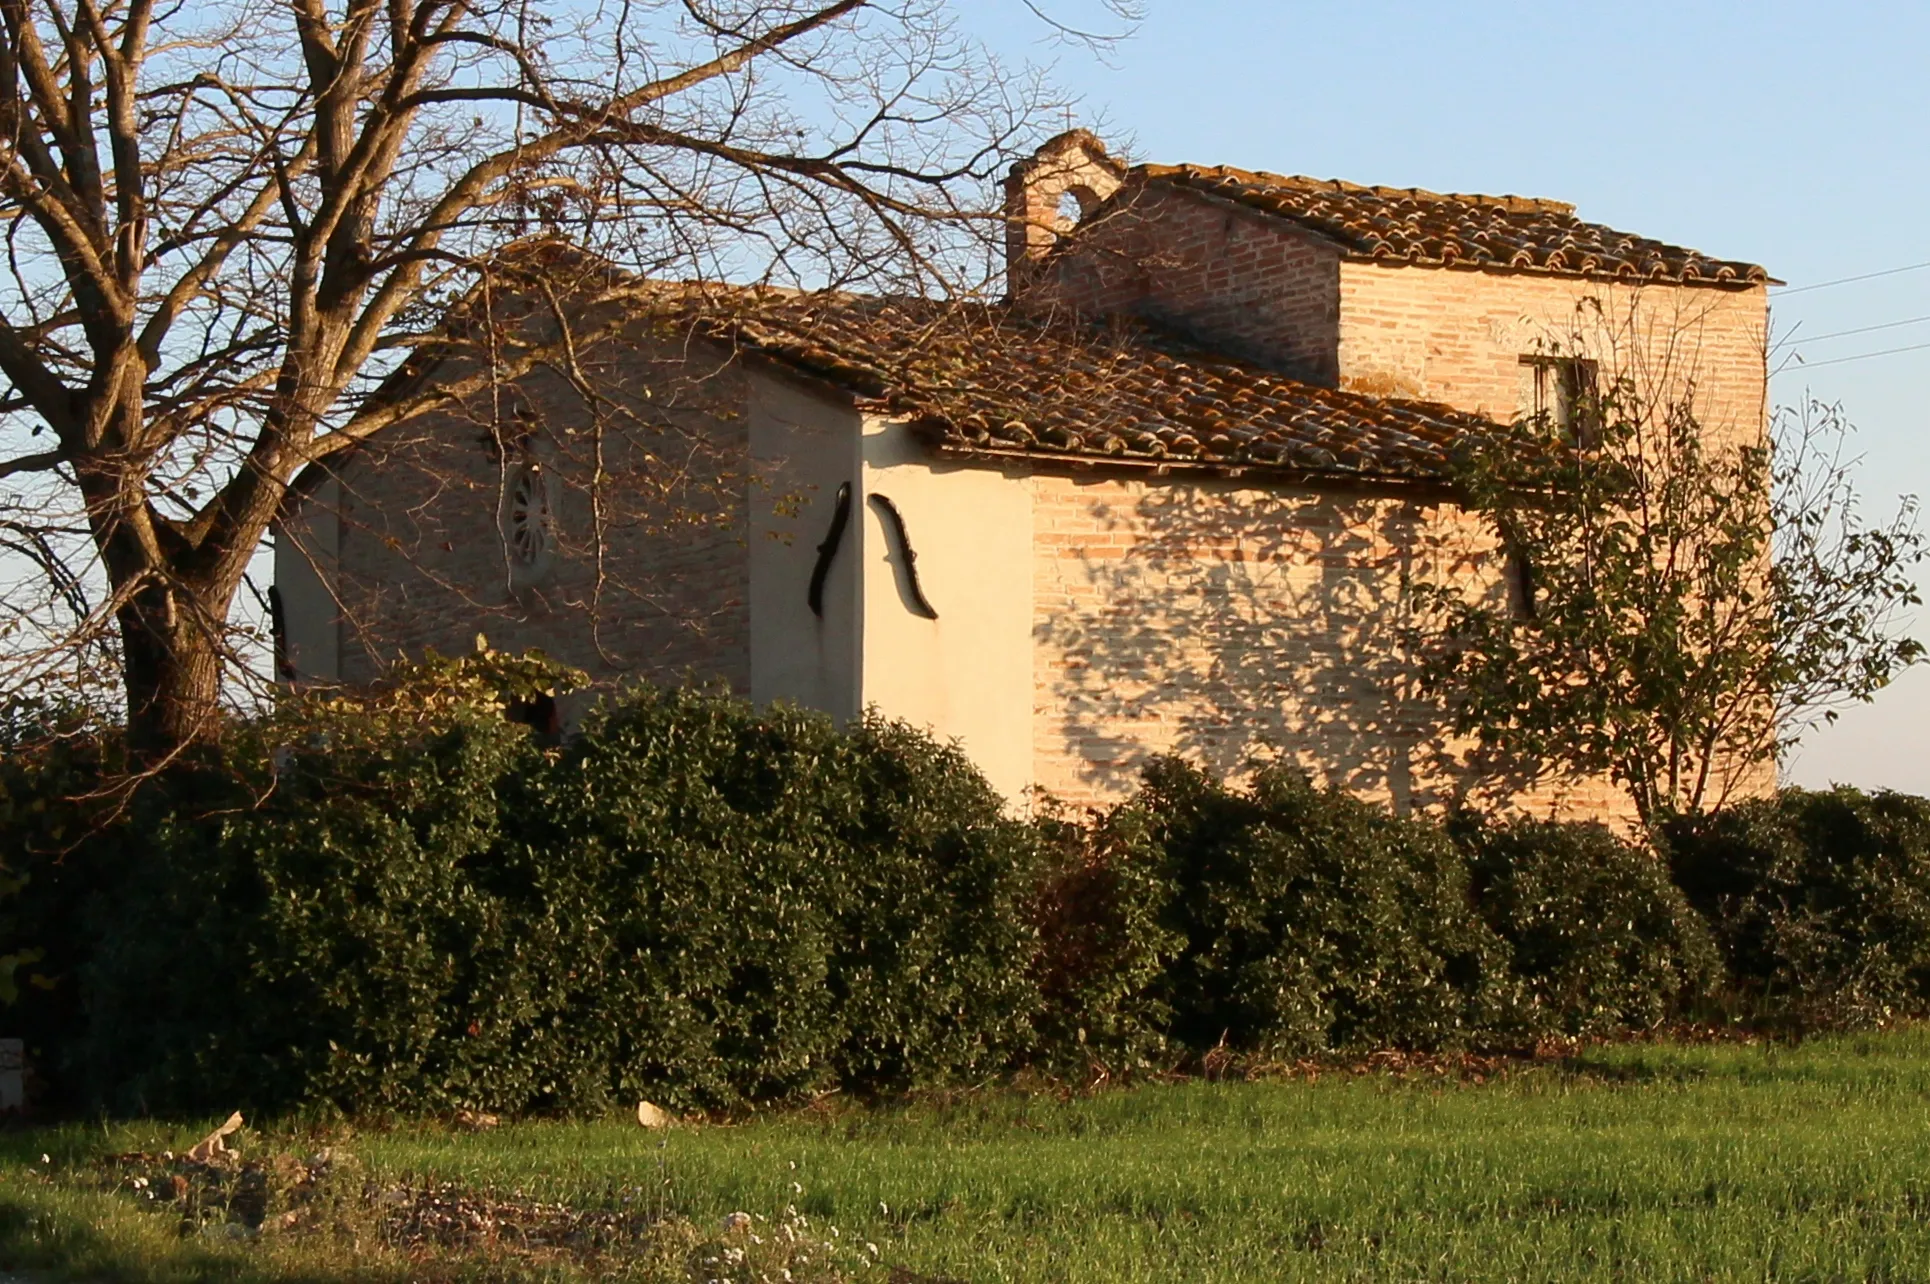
{"points": [[1864, 356], [1862, 329], [1784, 291]]}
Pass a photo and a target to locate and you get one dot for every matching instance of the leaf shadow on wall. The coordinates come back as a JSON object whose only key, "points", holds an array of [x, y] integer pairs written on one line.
{"points": [[1229, 624]]}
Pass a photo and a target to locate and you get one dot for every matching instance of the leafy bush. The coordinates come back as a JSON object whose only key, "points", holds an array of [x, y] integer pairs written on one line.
{"points": [[1102, 951], [1312, 920], [1820, 902], [782, 906], [407, 903], [1601, 939], [300, 921], [56, 762]]}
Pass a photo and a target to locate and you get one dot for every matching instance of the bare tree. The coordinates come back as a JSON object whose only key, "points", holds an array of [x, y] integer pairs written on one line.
{"points": [[230, 223]]}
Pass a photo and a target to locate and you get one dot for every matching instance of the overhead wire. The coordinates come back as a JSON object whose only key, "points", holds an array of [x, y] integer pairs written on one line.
{"points": [[1786, 290], [1861, 356], [1862, 329], [1866, 329]]}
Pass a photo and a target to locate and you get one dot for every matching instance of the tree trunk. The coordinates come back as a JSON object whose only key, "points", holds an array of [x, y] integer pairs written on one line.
{"points": [[172, 669]]}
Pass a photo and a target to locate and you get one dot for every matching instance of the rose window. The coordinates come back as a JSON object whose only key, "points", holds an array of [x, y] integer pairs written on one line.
{"points": [[528, 517]]}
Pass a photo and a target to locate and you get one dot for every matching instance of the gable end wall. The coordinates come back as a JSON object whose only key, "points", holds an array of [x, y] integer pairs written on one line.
{"points": [[1458, 335], [421, 561], [1232, 277]]}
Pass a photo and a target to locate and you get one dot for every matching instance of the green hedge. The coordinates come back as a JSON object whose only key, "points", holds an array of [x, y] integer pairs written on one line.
{"points": [[1602, 940], [53, 761], [1283, 919], [1103, 950], [1820, 902], [777, 906], [295, 916], [1313, 921], [404, 902], [316, 931], [409, 904]]}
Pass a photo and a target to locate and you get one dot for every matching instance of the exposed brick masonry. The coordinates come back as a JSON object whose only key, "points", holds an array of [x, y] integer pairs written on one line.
{"points": [[1209, 616], [661, 591], [1225, 622], [1232, 277]]}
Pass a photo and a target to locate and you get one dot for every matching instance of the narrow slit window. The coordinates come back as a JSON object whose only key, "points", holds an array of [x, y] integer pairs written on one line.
{"points": [[1521, 585], [1560, 392]]}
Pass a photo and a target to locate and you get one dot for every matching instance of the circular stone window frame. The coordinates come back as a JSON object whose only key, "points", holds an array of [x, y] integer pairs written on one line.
{"points": [[526, 518]]}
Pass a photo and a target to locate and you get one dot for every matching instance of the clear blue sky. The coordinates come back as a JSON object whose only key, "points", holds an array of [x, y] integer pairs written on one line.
{"points": [[1796, 136]]}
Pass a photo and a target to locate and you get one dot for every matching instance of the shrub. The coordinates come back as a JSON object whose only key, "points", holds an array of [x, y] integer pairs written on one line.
{"points": [[1820, 902], [1312, 920], [404, 902], [1601, 939], [784, 906], [936, 926], [300, 922], [57, 763], [407, 903], [1102, 951]]}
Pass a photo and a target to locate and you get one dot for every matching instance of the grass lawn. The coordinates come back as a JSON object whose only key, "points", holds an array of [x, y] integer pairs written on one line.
{"points": [[1636, 1163]]}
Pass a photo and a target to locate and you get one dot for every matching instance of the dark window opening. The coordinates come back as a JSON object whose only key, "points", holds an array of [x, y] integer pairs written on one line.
{"points": [[1561, 393], [278, 631], [1521, 585], [539, 713]]}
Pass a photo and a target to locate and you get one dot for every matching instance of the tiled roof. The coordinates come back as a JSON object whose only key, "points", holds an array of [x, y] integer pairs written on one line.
{"points": [[987, 380], [1409, 225]]}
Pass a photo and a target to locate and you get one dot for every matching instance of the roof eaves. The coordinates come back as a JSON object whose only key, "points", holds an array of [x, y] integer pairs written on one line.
{"points": [[1272, 474]]}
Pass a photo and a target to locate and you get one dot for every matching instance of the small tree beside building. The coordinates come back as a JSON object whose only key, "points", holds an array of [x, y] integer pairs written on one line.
{"points": [[1680, 603]]}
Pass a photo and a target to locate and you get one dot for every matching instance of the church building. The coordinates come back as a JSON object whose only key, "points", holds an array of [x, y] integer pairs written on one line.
{"points": [[1164, 497]]}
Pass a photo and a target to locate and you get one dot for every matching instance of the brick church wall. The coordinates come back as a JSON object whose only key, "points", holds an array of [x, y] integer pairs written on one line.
{"points": [[1458, 336], [1230, 276], [650, 572], [1210, 617], [1217, 620], [1202, 616], [1260, 287]]}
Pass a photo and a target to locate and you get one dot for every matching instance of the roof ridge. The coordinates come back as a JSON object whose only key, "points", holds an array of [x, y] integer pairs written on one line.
{"points": [[1340, 186]]}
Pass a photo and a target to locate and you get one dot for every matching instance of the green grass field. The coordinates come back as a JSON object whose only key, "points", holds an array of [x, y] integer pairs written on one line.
{"points": [[1720, 1162]]}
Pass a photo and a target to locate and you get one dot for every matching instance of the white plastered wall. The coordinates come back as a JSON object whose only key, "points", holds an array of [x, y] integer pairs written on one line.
{"points": [[802, 447], [966, 675], [307, 549]]}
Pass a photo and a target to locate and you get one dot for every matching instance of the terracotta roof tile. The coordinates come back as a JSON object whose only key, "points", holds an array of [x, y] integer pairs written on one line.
{"points": [[985, 379], [1410, 225]]}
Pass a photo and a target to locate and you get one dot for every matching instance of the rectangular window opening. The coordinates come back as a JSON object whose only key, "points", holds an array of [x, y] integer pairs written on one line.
{"points": [[1561, 393], [1520, 576]]}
